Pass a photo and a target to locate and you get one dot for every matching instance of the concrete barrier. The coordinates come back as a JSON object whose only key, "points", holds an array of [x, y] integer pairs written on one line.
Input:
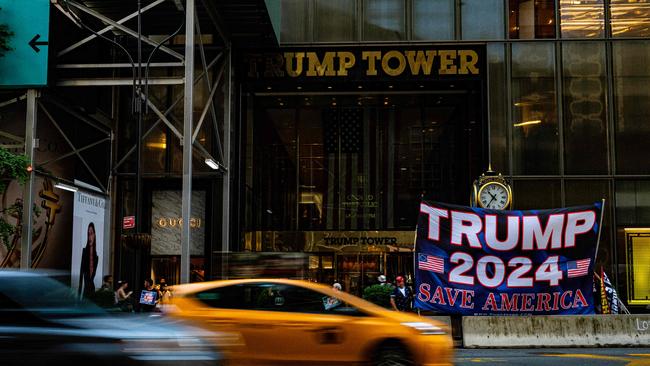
{"points": [[556, 331]]}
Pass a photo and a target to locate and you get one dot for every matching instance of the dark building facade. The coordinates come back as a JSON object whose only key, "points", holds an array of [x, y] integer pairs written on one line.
{"points": [[335, 165]]}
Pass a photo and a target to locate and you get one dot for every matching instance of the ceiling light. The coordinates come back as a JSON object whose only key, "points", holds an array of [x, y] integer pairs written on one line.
{"points": [[66, 187], [212, 164]]}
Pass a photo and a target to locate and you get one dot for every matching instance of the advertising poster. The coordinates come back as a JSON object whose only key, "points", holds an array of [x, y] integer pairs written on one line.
{"points": [[87, 243], [474, 261]]}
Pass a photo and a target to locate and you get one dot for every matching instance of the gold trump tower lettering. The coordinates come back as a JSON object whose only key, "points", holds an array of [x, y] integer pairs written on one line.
{"points": [[392, 63]]}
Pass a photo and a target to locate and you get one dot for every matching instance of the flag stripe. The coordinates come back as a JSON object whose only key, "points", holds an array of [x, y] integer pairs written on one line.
{"points": [[578, 268], [431, 263]]}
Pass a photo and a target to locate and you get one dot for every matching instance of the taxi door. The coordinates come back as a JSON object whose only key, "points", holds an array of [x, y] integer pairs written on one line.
{"points": [[308, 331]]}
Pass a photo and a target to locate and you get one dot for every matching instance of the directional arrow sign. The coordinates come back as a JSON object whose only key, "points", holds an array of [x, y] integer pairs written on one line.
{"points": [[26, 64], [34, 42]]}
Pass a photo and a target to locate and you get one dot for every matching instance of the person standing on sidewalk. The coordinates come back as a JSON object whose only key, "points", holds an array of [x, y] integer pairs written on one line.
{"points": [[401, 298]]}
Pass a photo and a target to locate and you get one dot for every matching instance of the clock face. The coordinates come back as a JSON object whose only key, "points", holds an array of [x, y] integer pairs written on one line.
{"points": [[493, 196]]}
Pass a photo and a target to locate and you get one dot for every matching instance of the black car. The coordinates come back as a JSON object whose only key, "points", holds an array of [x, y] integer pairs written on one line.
{"points": [[42, 322]]}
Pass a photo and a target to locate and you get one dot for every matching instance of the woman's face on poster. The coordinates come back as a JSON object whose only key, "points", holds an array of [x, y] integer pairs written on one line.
{"points": [[91, 235]]}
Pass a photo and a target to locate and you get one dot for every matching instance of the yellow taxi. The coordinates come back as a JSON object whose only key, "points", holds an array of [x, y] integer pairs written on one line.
{"points": [[297, 322]]}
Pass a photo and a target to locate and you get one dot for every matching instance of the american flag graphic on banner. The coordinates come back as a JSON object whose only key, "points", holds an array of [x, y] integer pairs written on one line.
{"points": [[431, 263], [578, 268]]}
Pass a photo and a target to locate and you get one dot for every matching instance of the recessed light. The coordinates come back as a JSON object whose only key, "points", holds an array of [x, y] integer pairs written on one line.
{"points": [[329, 87], [268, 88]]}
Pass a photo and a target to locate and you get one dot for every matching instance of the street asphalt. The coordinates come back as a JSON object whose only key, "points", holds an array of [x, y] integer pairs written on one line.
{"points": [[554, 356]]}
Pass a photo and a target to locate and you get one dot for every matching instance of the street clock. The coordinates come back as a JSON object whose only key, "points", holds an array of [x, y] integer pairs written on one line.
{"points": [[491, 190]]}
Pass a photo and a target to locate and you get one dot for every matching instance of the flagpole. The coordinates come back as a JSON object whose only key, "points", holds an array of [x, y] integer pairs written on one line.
{"points": [[600, 229]]}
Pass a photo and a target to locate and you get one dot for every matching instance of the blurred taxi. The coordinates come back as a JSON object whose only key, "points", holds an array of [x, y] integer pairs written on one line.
{"points": [[297, 322]]}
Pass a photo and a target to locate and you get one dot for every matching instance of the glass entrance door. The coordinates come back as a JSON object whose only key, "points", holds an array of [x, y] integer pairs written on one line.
{"points": [[357, 271]]}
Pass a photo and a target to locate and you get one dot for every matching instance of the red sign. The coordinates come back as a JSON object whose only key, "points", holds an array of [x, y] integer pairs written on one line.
{"points": [[128, 222]]}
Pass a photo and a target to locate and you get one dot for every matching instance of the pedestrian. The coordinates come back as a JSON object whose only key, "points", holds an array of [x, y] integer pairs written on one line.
{"points": [[402, 296], [149, 297], [107, 283], [122, 298], [382, 280]]}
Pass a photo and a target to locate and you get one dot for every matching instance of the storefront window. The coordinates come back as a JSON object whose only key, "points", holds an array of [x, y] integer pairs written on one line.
{"points": [[295, 21], [630, 18], [534, 110], [585, 117], [637, 247], [384, 20], [482, 19], [334, 20], [440, 10], [530, 19], [361, 162], [582, 19], [498, 108], [632, 106]]}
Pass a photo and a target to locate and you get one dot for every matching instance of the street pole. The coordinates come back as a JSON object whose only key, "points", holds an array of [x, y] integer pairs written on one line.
{"points": [[187, 141], [28, 189], [138, 109]]}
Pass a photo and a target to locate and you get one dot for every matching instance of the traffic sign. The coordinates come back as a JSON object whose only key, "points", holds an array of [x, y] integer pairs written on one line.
{"points": [[128, 222], [25, 65]]}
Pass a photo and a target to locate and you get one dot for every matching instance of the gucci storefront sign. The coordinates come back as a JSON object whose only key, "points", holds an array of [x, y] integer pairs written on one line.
{"points": [[166, 223], [177, 222]]}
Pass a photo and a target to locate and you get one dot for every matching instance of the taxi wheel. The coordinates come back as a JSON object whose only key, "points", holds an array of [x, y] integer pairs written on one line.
{"points": [[393, 356]]}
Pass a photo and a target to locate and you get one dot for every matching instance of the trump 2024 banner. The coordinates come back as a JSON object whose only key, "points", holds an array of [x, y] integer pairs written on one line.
{"points": [[474, 261]]}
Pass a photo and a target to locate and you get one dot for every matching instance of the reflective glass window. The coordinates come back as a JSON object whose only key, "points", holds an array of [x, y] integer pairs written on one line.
{"points": [[498, 107], [585, 117], [295, 21], [384, 20], [630, 18], [582, 19], [334, 20], [531, 19], [633, 202], [585, 192], [536, 194], [425, 11], [482, 19], [534, 109], [632, 106]]}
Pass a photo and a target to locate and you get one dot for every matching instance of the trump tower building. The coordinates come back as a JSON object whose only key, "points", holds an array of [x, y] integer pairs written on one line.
{"points": [[369, 105]]}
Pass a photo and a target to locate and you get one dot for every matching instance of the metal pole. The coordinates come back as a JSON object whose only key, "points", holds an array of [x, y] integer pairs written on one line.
{"points": [[28, 190], [138, 106], [225, 218], [187, 141]]}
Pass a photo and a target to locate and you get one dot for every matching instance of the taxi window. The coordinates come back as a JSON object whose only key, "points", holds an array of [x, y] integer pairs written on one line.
{"points": [[275, 297], [229, 297]]}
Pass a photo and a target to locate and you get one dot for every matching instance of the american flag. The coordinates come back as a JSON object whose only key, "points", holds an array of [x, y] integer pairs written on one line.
{"points": [[578, 268], [431, 263], [343, 130]]}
